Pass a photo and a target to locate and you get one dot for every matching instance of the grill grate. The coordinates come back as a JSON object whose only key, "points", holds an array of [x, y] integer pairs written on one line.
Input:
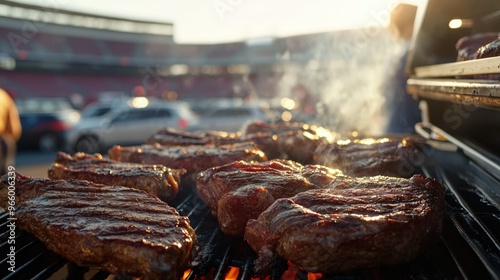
{"points": [[469, 248], [473, 217]]}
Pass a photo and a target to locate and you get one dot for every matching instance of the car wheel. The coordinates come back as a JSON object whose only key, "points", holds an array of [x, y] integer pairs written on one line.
{"points": [[47, 143], [87, 144]]}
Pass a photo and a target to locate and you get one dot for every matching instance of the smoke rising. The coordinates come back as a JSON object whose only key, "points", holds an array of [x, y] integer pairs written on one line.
{"points": [[348, 73]]}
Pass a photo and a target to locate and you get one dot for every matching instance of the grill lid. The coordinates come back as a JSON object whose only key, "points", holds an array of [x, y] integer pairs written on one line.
{"points": [[432, 65]]}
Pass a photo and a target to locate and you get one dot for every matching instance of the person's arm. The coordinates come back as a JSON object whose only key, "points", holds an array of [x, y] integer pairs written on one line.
{"points": [[13, 123]]}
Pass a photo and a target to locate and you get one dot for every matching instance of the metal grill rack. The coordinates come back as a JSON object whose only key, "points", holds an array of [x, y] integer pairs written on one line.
{"points": [[469, 247], [438, 82]]}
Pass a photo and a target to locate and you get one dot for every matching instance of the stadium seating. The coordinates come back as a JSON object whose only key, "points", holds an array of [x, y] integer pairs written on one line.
{"points": [[122, 49], [52, 43], [84, 46], [120, 54]]}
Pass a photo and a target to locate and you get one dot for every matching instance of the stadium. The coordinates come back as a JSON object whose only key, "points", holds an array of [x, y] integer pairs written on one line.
{"points": [[48, 52]]}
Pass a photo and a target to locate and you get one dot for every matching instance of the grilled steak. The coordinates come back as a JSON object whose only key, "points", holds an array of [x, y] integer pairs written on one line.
{"points": [[284, 138], [479, 46], [171, 137], [174, 137], [274, 128], [194, 158], [490, 50], [356, 223], [467, 47], [276, 140], [370, 157], [268, 143], [154, 179], [121, 230], [240, 191], [291, 141]]}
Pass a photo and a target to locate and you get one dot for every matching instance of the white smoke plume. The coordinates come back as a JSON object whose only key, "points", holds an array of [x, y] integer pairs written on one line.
{"points": [[346, 73]]}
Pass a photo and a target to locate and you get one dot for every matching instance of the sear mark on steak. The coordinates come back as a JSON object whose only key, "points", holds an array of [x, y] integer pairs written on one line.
{"points": [[397, 157], [356, 223], [194, 158], [121, 230], [240, 191], [154, 179]]}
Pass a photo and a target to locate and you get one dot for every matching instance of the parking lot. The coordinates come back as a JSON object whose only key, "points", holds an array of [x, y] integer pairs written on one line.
{"points": [[33, 163]]}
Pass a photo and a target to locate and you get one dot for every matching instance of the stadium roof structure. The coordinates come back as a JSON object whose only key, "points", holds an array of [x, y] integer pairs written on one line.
{"points": [[55, 15]]}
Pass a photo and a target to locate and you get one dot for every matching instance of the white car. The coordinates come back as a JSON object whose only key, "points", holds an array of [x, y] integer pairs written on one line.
{"points": [[232, 118], [104, 106], [130, 124]]}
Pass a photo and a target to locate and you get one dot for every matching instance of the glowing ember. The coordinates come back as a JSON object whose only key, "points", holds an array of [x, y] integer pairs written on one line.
{"points": [[186, 274], [232, 274], [293, 272], [314, 276]]}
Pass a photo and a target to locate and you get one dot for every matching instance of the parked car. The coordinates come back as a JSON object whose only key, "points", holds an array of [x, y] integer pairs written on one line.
{"points": [[97, 110], [130, 124], [102, 107], [44, 122], [44, 105], [232, 118]]}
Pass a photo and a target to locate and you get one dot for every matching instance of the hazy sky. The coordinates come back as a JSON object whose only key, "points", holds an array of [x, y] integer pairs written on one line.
{"points": [[207, 21]]}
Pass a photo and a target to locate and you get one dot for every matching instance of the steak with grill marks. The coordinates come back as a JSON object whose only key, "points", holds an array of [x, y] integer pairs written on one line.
{"points": [[490, 50], [397, 157], [121, 230], [276, 140], [467, 47], [275, 128], [173, 137], [285, 137], [479, 46], [355, 223], [194, 158], [154, 179], [240, 191]]}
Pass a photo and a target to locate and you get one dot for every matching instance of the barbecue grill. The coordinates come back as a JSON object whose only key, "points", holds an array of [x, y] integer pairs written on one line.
{"points": [[469, 247], [469, 166]]}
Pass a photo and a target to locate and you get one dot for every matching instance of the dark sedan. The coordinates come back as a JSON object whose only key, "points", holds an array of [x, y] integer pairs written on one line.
{"points": [[43, 131], [44, 121]]}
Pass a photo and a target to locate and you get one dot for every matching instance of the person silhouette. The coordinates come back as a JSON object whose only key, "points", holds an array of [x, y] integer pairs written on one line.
{"points": [[10, 131], [403, 110]]}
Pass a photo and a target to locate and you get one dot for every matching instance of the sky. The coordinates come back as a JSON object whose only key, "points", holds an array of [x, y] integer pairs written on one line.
{"points": [[215, 21]]}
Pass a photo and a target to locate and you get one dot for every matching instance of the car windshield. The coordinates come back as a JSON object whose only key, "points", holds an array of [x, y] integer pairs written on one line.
{"points": [[96, 112]]}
